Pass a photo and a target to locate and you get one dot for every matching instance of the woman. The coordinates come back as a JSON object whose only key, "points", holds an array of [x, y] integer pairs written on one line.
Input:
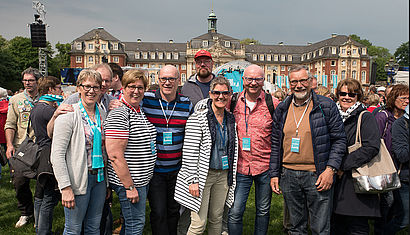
{"points": [[45, 196], [207, 180], [131, 151], [78, 158], [373, 102], [352, 210], [324, 91]]}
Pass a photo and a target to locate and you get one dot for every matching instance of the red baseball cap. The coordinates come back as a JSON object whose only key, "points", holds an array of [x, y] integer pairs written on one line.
{"points": [[203, 53]]}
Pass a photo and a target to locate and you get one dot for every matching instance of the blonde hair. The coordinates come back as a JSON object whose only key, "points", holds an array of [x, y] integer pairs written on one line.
{"points": [[132, 76]]}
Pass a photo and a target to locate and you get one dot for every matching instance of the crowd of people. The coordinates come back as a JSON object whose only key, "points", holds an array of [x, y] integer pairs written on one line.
{"points": [[194, 153]]}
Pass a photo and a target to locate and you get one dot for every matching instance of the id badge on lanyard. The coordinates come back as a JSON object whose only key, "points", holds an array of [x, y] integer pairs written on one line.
{"points": [[167, 138], [246, 144], [295, 145]]}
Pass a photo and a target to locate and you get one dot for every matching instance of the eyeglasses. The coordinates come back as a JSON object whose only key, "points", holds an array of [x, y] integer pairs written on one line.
{"points": [[88, 87], [403, 98], [133, 88], [165, 79], [218, 93], [28, 80], [351, 95], [304, 82], [257, 80], [200, 62]]}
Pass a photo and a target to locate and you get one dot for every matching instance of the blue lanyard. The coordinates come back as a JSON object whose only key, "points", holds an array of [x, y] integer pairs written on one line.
{"points": [[90, 122], [222, 132], [246, 121]]}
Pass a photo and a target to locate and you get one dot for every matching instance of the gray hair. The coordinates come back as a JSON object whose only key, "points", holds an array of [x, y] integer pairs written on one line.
{"points": [[297, 68], [89, 74], [103, 65], [220, 80], [3, 93], [35, 72]]}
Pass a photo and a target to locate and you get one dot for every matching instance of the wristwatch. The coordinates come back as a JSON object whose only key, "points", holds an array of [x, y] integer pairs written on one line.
{"points": [[332, 168], [130, 188]]}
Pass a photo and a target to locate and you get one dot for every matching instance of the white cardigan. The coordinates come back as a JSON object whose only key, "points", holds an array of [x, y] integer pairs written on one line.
{"points": [[195, 160]]}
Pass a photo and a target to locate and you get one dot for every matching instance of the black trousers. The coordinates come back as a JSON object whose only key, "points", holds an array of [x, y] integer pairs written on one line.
{"points": [[164, 209], [353, 225], [23, 195]]}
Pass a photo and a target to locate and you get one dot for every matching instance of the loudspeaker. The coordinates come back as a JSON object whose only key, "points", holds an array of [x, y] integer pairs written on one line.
{"points": [[373, 74], [38, 35]]}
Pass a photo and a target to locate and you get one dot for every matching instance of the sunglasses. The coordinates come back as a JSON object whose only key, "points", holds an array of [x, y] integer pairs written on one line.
{"points": [[218, 93], [351, 95]]}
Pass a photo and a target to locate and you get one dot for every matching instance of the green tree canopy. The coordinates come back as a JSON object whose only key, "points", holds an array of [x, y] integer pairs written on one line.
{"points": [[60, 60], [250, 41], [402, 54]]}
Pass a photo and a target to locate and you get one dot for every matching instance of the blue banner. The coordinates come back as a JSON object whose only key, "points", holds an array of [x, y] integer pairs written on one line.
{"points": [[324, 80], [287, 82]]}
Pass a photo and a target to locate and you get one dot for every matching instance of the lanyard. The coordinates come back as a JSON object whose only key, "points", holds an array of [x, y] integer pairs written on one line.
{"points": [[140, 115], [301, 118], [246, 121], [167, 119], [28, 99], [222, 132], [90, 122]]}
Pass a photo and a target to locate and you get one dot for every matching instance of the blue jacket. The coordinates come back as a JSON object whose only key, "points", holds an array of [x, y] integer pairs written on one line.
{"points": [[328, 134]]}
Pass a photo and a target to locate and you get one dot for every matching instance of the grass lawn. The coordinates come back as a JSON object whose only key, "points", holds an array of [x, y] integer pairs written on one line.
{"points": [[9, 213]]}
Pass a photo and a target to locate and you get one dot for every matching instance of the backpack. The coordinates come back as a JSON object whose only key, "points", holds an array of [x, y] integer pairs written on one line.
{"points": [[268, 100]]}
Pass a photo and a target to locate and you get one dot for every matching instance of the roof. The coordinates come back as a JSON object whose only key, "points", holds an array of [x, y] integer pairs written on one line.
{"points": [[285, 49], [154, 46], [333, 41], [101, 32], [211, 35]]}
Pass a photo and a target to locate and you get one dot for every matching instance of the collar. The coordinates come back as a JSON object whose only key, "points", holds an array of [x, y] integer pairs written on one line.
{"points": [[35, 98], [303, 104], [260, 97], [158, 96]]}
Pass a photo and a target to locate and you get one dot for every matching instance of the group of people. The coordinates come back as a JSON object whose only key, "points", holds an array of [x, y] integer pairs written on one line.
{"points": [[195, 155]]}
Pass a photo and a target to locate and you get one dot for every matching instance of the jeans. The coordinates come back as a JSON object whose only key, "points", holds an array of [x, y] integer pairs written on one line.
{"points": [[164, 209], [401, 216], [134, 213], [23, 195], [44, 207], [263, 195], [88, 209], [212, 204], [305, 201]]}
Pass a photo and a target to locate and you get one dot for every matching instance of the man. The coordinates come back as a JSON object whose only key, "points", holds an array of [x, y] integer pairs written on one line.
{"points": [[15, 128], [116, 86], [308, 143], [254, 128], [168, 112], [197, 86], [314, 84]]}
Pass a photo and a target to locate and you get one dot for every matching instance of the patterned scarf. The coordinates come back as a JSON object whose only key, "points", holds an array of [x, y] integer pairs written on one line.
{"points": [[347, 114], [52, 98]]}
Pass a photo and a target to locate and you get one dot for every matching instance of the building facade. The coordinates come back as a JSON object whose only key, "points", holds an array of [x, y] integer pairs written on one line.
{"points": [[338, 55]]}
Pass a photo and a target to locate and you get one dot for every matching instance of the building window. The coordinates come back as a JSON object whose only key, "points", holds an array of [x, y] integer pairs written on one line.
{"points": [[364, 51], [204, 43], [289, 57], [314, 54], [137, 55], [90, 46], [343, 63], [78, 59], [78, 46], [333, 63], [343, 74], [168, 55], [275, 57], [354, 51], [354, 63], [183, 77], [364, 63], [261, 57], [309, 55], [115, 46], [268, 57], [255, 57], [104, 46], [177, 66], [160, 55], [129, 65], [268, 77], [363, 76], [282, 68], [354, 74], [153, 66], [145, 55], [145, 65], [137, 65], [333, 50], [175, 55], [343, 51], [152, 54], [275, 68], [183, 67], [333, 72], [321, 51], [282, 57], [116, 59], [90, 59], [303, 57], [227, 44]]}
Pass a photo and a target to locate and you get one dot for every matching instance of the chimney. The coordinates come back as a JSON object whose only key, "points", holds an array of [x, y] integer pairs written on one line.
{"points": [[100, 27], [334, 35], [281, 43], [171, 41], [309, 43], [139, 40]]}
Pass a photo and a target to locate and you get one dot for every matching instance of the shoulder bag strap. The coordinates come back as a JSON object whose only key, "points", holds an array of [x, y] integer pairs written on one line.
{"points": [[359, 122], [387, 123]]}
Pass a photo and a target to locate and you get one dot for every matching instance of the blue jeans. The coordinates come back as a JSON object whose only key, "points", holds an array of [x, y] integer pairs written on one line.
{"points": [[88, 209], [304, 201], [44, 208], [263, 196], [134, 213], [401, 215]]}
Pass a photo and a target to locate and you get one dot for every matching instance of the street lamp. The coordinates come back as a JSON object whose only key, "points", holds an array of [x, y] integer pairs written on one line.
{"points": [[391, 69]]}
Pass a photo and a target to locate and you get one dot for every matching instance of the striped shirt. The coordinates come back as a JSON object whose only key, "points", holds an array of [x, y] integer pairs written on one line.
{"points": [[169, 156], [124, 123]]}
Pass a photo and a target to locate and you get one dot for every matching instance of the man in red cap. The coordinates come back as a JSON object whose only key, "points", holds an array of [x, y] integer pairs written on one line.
{"points": [[197, 86]]}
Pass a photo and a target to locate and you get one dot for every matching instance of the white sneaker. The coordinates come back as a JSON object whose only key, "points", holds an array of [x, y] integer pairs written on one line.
{"points": [[23, 220]]}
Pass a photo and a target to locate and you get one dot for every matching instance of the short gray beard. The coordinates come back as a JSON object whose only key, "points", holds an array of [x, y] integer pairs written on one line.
{"points": [[301, 96]]}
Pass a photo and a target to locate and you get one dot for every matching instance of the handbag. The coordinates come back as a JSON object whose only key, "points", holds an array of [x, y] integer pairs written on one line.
{"points": [[3, 157], [377, 176], [25, 159]]}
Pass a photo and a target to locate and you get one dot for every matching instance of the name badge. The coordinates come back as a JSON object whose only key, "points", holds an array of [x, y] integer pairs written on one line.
{"points": [[225, 164], [294, 147], [246, 144], [167, 138], [153, 150]]}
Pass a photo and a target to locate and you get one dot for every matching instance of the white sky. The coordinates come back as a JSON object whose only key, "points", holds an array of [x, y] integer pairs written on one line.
{"points": [[295, 22]]}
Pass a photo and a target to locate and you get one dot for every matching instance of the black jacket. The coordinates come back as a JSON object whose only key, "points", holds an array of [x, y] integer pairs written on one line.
{"points": [[346, 201], [400, 146], [328, 136]]}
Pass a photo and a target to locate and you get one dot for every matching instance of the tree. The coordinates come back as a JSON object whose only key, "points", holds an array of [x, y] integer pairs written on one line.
{"points": [[8, 72], [61, 60], [25, 55], [250, 41], [380, 55], [402, 54]]}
